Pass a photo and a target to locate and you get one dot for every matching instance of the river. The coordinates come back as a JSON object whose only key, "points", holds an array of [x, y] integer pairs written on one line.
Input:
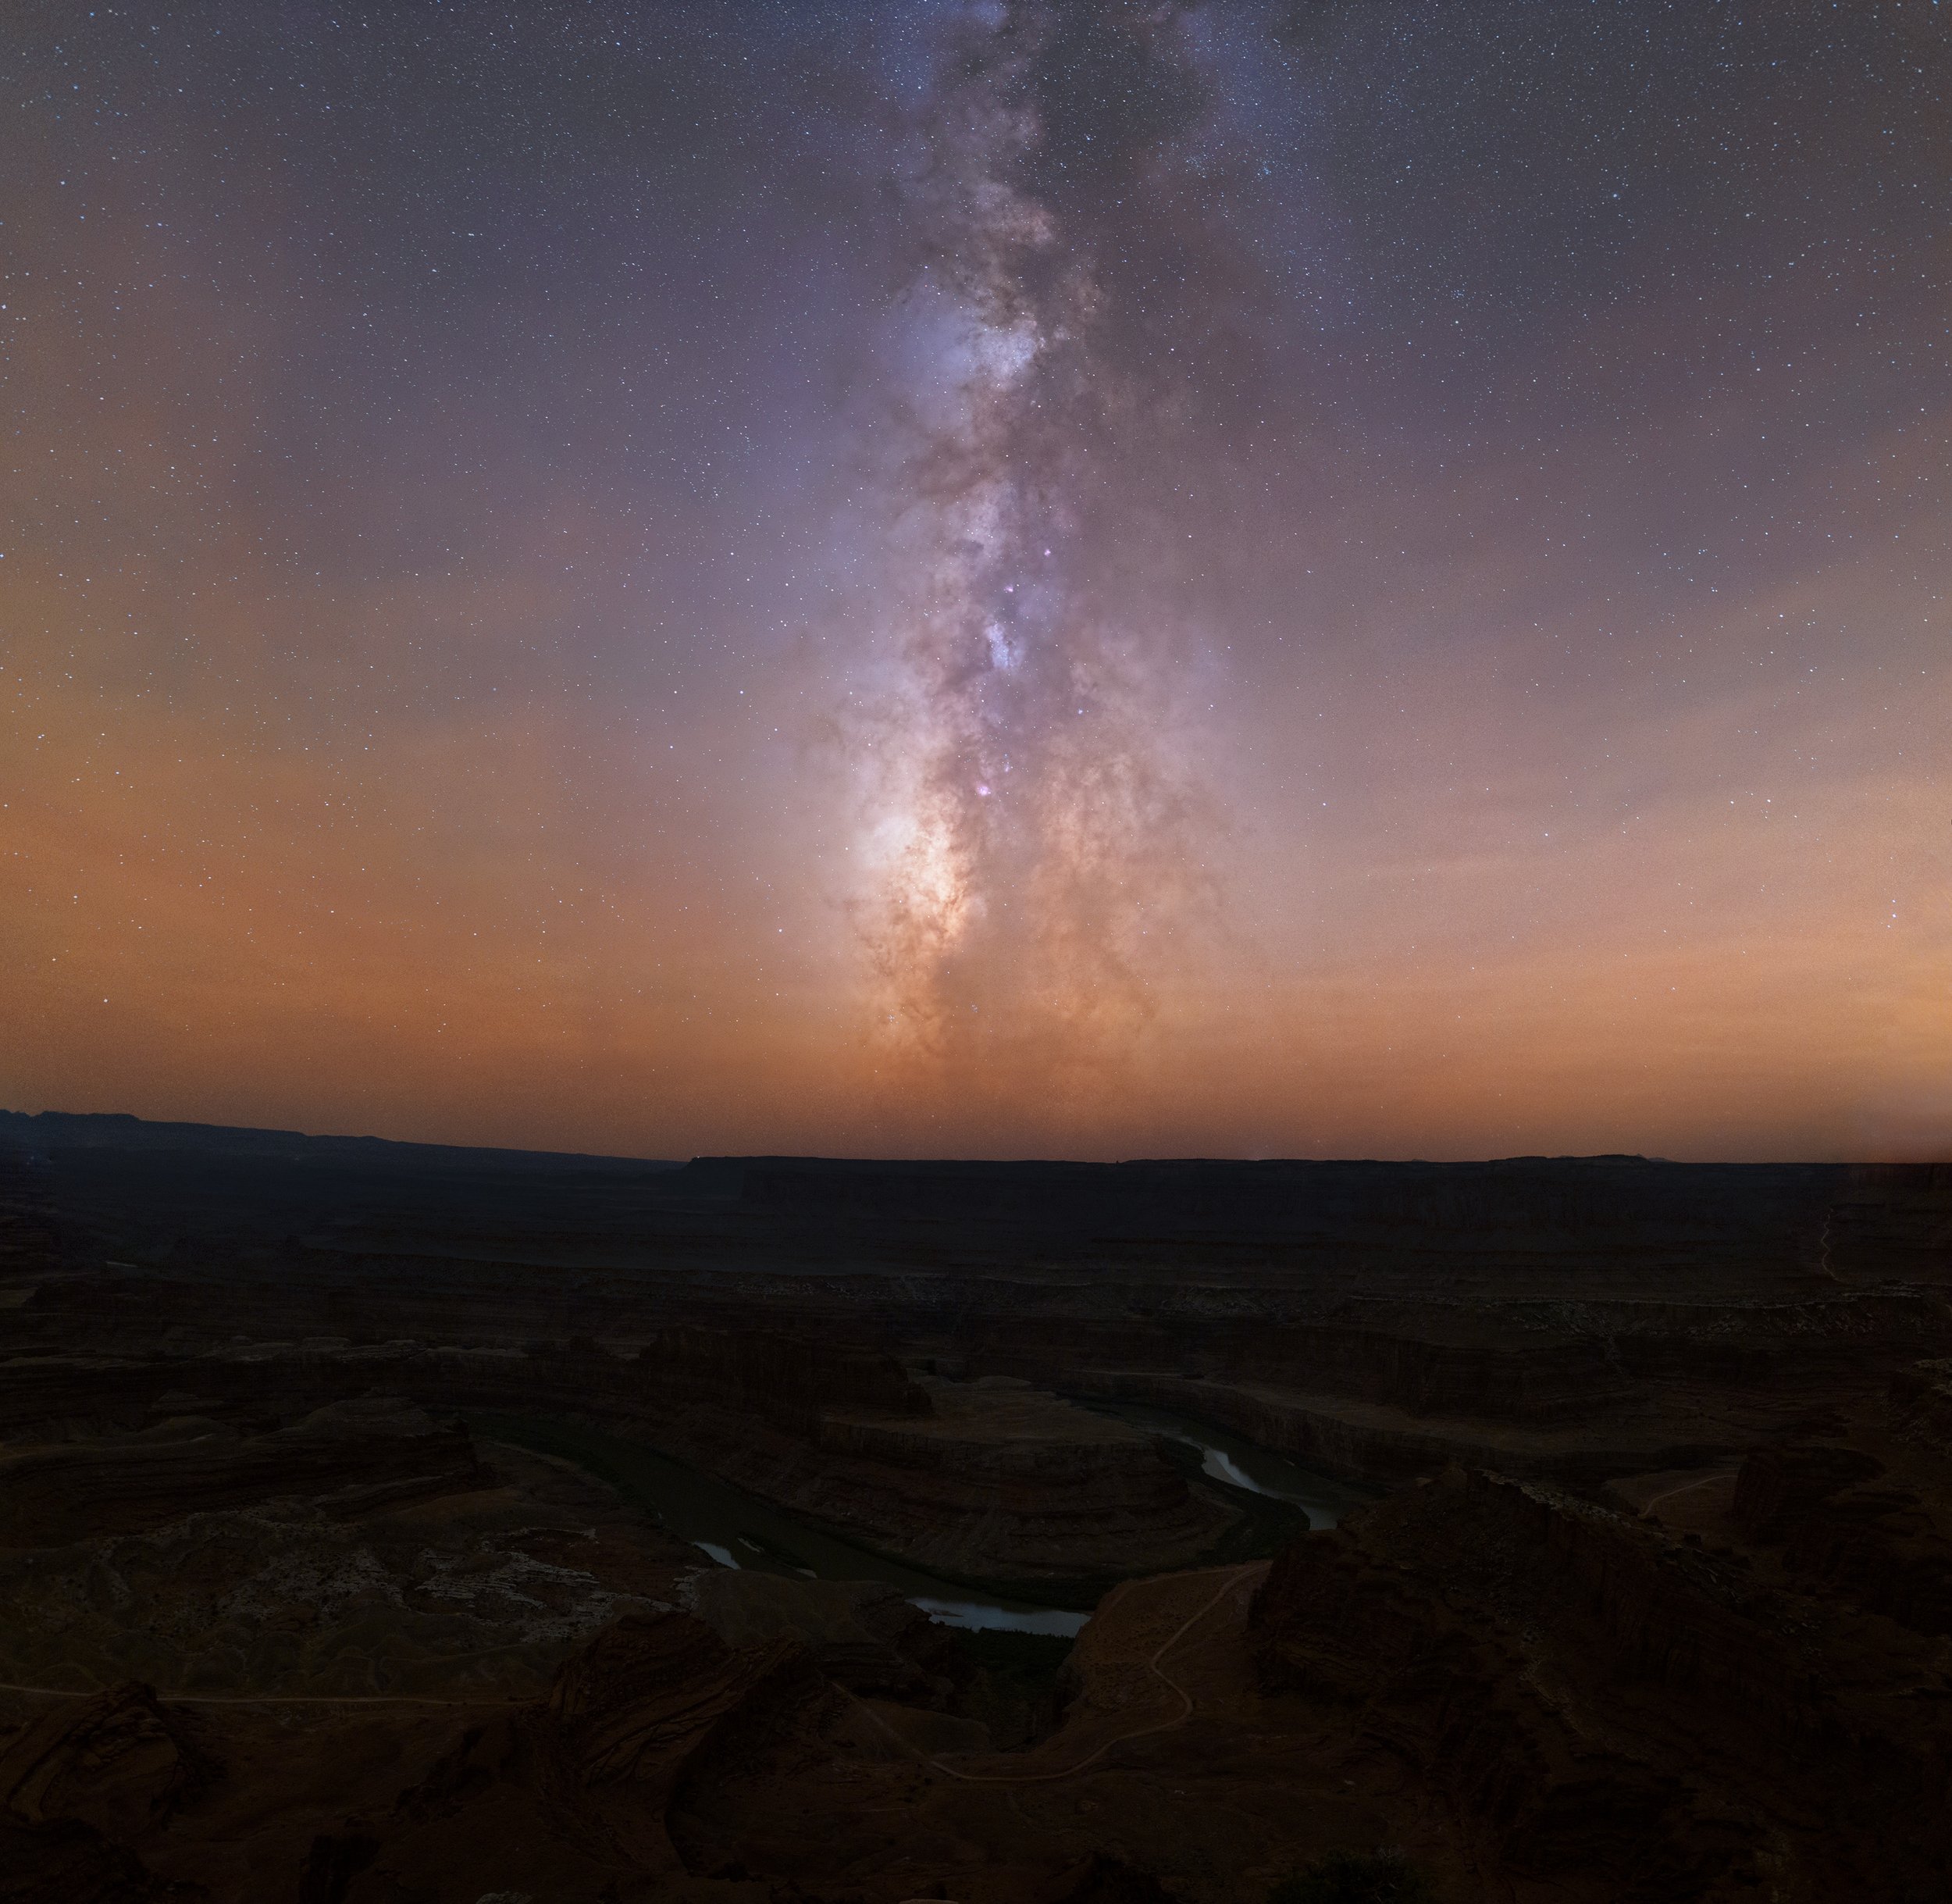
{"points": [[734, 1528], [1236, 1462]]}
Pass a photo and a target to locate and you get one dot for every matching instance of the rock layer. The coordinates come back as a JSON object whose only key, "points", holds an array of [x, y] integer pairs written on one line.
{"points": [[1601, 1698], [346, 1457]]}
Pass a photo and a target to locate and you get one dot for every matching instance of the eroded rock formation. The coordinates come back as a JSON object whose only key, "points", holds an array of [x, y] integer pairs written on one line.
{"points": [[1655, 1606], [1599, 1697]]}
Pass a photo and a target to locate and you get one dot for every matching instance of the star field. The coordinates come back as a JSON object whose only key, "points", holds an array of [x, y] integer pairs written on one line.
{"points": [[1085, 576]]}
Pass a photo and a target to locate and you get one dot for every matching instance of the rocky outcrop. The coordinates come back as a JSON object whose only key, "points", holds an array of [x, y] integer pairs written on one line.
{"points": [[863, 1635], [646, 1694], [1878, 1545], [347, 1457], [998, 1481], [114, 1763], [1607, 1703], [1779, 1487], [77, 1784], [572, 1796]]}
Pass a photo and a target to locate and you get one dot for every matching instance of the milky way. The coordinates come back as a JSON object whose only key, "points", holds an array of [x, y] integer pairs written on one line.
{"points": [[1039, 831], [1099, 576]]}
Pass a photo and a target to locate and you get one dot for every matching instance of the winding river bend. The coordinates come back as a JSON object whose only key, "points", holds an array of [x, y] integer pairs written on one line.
{"points": [[1237, 1463], [737, 1529]]}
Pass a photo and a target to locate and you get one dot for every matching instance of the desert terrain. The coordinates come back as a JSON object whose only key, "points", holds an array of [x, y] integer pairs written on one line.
{"points": [[389, 1525]]}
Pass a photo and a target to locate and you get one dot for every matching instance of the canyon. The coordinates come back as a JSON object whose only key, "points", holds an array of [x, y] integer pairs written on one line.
{"points": [[334, 1565]]}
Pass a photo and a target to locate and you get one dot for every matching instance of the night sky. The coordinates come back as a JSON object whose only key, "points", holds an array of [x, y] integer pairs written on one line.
{"points": [[1361, 578]]}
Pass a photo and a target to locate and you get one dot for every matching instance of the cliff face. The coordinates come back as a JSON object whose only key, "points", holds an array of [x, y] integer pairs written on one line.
{"points": [[344, 1458], [1601, 1698]]}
